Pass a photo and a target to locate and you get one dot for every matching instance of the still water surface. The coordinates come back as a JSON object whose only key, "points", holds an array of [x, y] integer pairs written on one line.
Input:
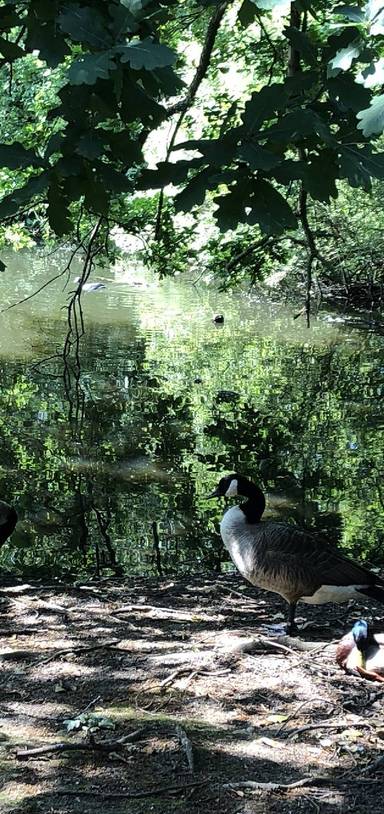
{"points": [[171, 402]]}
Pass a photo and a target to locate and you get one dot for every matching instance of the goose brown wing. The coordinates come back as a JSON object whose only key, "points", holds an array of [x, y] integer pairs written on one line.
{"points": [[315, 563]]}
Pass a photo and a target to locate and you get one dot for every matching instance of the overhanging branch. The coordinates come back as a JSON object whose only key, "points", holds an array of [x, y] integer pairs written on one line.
{"points": [[204, 62]]}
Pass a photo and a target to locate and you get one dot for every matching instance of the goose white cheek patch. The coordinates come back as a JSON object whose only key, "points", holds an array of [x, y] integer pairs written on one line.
{"points": [[232, 489]]}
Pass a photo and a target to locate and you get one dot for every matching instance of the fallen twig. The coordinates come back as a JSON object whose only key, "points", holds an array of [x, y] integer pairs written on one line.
{"points": [[198, 671], [91, 704], [298, 708], [324, 725], [121, 795], [256, 784], [187, 746], [75, 650], [91, 746]]}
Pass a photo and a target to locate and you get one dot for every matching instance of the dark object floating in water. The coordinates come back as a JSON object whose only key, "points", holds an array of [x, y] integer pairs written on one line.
{"points": [[362, 652], [218, 319], [89, 286], [8, 520], [285, 559]]}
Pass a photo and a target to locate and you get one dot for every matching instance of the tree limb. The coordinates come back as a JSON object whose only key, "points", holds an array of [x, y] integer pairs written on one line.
{"points": [[204, 62]]}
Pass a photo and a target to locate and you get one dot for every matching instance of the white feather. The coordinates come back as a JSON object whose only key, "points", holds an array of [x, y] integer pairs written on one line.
{"points": [[232, 489], [333, 593]]}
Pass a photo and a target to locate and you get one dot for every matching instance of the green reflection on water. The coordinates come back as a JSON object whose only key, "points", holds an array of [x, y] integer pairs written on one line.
{"points": [[173, 401]]}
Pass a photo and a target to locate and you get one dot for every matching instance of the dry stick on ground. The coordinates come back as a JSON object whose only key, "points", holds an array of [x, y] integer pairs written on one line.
{"points": [[187, 746], [300, 707], [119, 795], [255, 784], [184, 614], [324, 725], [91, 704], [92, 746], [199, 671], [75, 650]]}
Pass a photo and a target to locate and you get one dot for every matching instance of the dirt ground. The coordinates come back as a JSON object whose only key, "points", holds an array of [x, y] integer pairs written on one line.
{"points": [[148, 696]]}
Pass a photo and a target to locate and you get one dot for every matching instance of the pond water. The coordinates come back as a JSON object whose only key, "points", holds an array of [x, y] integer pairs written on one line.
{"points": [[172, 402]]}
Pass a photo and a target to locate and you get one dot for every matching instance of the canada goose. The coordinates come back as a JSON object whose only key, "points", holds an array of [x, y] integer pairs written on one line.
{"points": [[89, 286], [285, 559], [8, 520], [362, 651]]}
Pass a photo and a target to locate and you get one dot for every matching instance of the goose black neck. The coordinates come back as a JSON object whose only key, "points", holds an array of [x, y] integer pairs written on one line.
{"points": [[254, 506], [7, 528]]}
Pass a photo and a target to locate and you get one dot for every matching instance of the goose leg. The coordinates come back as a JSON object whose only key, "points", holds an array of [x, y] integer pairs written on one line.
{"points": [[291, 627]]}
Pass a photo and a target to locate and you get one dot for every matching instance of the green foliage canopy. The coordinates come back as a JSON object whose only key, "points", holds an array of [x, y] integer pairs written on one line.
{"points": [[116, 67]]}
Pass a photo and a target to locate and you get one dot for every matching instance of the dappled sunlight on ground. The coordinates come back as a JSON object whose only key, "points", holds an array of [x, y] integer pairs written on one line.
{"points": [[171, 696]]}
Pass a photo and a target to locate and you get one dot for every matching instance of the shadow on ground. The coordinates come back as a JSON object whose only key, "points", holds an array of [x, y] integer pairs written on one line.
{"points": [[152, 702]]}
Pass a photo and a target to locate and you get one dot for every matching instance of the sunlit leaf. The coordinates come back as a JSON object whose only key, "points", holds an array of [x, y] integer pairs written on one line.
{"points": [[375, 14], [353, 13], [268, 5], [342, 61], [373, 74], [372, 118]]}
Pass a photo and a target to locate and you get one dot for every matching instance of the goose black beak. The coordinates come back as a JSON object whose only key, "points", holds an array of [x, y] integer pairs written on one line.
{"points": [[215, 493]]}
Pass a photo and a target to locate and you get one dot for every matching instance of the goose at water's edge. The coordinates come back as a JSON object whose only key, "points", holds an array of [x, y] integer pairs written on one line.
{"points": [[8, 520], [285, 559], [362, 651]]}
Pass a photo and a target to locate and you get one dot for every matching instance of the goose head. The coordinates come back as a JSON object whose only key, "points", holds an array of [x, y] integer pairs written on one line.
{"points": [[236, 484], [360, 635]]}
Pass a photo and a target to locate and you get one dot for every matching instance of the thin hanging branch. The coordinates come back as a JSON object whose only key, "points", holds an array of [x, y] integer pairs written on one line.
{"points": [[76, 328], [204, 62], [184, 104], [313, 252]]}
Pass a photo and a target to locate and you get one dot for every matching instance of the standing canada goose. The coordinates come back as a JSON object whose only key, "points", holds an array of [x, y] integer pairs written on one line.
{"points": [[285, 559], [362, 651], [8, 520]]}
